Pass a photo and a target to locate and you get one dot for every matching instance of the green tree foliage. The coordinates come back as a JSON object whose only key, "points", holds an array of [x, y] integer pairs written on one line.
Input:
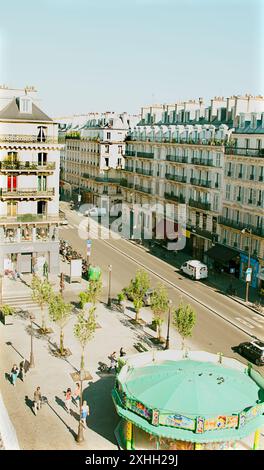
{"points": [[60, 313], [137, 289], [184, 318], [84, 329], [41, 294], [159, 306], [92, 293]]}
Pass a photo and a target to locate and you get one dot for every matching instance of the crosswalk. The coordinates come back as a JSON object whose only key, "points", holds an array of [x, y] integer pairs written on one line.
{"points": [[96, 231], [252, 321]]}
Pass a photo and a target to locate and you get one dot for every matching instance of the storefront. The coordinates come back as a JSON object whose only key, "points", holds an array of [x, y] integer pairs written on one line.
{"points": [[169, 402], [223, 259]]}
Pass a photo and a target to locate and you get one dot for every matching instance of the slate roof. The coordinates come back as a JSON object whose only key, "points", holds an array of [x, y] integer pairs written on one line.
{"points": [[11, 111]]}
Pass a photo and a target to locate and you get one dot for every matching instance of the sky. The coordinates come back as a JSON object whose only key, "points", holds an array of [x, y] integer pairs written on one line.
{"points": [[119, 55]]}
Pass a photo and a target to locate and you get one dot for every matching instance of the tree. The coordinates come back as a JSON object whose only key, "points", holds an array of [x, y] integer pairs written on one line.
{"points": [[184, 318], [159, 306], [41, 294], [92, 293], [84, 329], [137, 290], [60, 312]]}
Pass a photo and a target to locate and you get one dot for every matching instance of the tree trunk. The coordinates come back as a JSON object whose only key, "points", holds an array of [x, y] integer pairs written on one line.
{"points": [[82, 359], [43, 327], [159, 332], [137, 315], [183, 343], [61, 342]]}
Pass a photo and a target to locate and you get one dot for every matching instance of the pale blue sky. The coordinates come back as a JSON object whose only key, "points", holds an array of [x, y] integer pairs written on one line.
{"points": [[96, 55]]}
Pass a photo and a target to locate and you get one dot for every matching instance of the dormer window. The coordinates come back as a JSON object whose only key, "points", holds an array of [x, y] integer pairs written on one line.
{"points": [[25, 105]]}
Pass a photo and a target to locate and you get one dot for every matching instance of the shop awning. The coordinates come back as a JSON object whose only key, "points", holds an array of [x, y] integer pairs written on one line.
{"points": [[221, 253]]}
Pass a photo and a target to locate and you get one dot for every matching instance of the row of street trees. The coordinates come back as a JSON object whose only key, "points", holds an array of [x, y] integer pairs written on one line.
{"points": [[184, 317]]}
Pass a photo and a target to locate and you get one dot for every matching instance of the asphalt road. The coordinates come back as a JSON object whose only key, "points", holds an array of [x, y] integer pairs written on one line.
{"points": [[221, 322]]}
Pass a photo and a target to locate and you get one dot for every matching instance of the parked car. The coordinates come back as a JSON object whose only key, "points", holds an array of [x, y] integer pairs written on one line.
{"points": [[253, 350], [195, 269], [147, 297]]}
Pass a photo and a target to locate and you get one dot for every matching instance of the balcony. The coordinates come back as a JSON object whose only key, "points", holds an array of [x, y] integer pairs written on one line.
{"points": [[26, 167], [202, 183], [178, 178], [176, 159], [130, 170], [259, 231], [200, 204], [130, 153], [28, 139], [31, 218], [173, 197], [26, 193], [142, 189], [145, 155], [103, 179], [244, 152], [125, 184], [144, 172], [198, 161]]}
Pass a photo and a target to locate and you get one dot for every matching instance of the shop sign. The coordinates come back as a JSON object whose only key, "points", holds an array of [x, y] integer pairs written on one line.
{"points": [[221, 422], [139, 408], [155, 417], [177, 421], [199, 425]]}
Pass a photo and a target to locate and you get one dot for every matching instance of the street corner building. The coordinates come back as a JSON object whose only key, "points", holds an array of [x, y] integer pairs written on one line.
{"points": [[29, 185], [201, 401]]}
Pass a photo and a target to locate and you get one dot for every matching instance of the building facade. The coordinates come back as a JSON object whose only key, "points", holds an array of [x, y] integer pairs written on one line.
{"points": [[210, 160], [29, 185], [92, 158]]}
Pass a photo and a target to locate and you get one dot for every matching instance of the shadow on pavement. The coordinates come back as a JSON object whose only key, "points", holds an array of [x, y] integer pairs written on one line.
{"points": [[58, 400], [103, 418], [30, 404]]}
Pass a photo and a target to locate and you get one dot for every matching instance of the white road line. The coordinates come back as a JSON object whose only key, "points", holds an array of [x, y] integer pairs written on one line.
{"points": [[245, 323], [258, 319]]}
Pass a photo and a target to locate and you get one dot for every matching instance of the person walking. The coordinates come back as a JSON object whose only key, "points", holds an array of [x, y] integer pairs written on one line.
{"points": [[113, 361], [85, 411], [77, 393], [68, 399], [14, 374], [122, 353], [22, 369], [37, 400]]}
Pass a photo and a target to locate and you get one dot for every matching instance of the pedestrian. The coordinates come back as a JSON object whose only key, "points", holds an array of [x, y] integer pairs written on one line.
{"points": [[22, 369], [77, 393], [68, 398], [122, 353], [14, 275], [113, 361], [14, 374], [37, 400], [85, 411]]}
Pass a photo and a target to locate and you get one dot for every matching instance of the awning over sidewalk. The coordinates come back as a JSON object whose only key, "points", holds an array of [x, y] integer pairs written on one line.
{"points": [[221, 253]]}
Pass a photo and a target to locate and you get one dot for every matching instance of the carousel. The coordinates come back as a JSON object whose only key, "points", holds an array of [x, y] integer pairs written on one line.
{"points": [[199, 402]]}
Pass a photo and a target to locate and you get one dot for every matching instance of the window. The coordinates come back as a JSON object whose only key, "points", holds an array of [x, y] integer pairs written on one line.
{"points": [[119, 149], [108, 135], [228, 192], [106, 148], [107, 162]]}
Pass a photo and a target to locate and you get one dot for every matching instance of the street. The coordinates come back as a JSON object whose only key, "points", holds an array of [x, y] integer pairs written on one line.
{"points": [[221, 324]]}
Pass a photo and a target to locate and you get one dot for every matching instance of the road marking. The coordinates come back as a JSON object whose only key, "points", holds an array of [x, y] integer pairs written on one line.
{"points": [[254, 322], [245, 323], [260, 320]]}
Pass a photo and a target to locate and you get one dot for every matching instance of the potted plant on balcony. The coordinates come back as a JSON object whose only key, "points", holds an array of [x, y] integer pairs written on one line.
{"points": [[5, 312]]}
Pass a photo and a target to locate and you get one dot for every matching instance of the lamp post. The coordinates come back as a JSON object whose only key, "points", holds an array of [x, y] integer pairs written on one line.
{"points": [[167, 344], [88, 244], [109, 302], [249, 274], [61, 283], [31, 362]]}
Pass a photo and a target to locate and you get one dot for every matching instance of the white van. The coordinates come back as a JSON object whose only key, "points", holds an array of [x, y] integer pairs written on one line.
{"points": [[96, 212], [195, 269]]}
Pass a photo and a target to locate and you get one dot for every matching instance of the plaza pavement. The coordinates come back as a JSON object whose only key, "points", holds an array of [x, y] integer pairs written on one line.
{"points": [[53, 428]]}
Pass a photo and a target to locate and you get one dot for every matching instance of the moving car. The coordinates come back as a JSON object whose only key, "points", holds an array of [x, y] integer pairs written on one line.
{"points": [[253, 350], [195, 269], [96, 212]]}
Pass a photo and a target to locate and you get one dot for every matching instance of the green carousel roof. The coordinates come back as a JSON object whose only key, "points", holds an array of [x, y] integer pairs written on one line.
{"points": [[192, 388], [226, 403]]}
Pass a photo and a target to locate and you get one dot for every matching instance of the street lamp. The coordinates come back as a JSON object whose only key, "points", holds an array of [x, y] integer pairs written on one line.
{"points": [[109, 302], [167, 344], [62, 285], [248, 275], [32, 362]]}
